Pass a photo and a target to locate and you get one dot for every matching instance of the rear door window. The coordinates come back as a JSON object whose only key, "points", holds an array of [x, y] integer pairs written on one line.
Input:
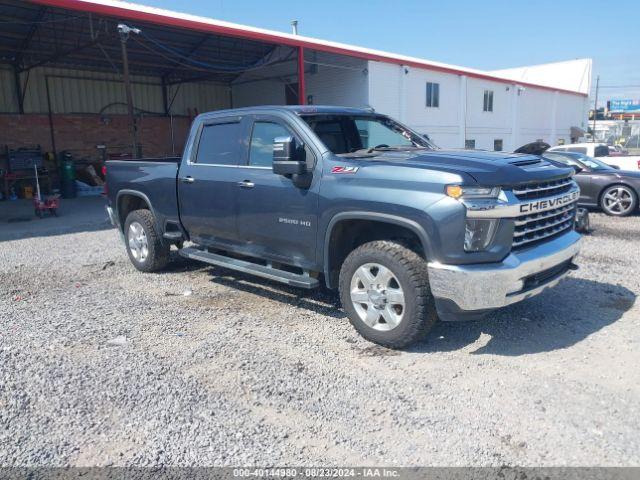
{"points": [[220, 144]]}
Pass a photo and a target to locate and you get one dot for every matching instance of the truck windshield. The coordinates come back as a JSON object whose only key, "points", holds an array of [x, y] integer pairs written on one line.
{"points": [[350, 135]]}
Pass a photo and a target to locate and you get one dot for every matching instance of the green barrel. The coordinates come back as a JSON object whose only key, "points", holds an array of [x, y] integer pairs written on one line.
{"points": [[68, 177]]}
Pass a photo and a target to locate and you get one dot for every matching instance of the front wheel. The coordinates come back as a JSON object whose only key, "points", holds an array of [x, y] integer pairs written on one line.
{"points": [[618, 201], [384, 289], [145, 246]]}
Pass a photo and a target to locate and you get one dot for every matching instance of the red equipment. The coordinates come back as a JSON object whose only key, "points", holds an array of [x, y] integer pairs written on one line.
{"points": [[50, 204]]}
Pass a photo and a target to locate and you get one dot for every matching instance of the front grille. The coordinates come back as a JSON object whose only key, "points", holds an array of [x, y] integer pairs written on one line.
{"points": [[533, 228], [531, 191]]}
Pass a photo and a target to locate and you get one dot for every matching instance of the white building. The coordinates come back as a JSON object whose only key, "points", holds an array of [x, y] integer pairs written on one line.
{"points": [[457, 107]]}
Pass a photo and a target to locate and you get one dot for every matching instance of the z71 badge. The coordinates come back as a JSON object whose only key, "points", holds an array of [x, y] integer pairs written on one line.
{"points": [[343, 169]]}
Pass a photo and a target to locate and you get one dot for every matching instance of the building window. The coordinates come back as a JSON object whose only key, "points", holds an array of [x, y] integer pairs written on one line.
{"points": [[497, 144], [433, 95], [488, 101], [470, 144]]}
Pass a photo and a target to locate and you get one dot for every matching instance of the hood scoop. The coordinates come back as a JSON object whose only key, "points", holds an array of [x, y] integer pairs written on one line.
{"points": [[526, 162]]}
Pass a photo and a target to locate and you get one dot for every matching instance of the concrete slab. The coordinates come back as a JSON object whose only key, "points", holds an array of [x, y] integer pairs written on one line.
{"points": [[18, 220]]}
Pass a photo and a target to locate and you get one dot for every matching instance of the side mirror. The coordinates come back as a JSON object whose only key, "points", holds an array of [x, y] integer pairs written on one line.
{"points": [[577, 168], [288, 157], [617, 167]]}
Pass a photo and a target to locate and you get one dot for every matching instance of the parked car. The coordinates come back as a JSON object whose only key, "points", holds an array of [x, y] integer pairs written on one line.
{"points": [[601, 151], [613, 190], [302, 195]]}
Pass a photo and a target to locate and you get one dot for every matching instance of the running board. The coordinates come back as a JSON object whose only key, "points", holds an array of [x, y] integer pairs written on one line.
{"points": [[293, 279]]}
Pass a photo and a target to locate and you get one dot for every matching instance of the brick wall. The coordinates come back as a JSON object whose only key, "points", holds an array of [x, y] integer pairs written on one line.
{"points": [[81, 133]]}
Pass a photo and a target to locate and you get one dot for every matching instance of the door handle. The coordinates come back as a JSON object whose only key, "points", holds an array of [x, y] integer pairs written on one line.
{"points": [[246, 184], [188, 179]]}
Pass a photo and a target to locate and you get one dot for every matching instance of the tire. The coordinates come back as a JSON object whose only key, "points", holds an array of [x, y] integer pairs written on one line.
{"points": [[146, 248], [406, 277], [618, 200]]}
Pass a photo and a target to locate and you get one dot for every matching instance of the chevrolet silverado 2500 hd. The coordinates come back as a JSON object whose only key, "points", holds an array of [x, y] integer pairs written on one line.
{"points": [[302, 195]]}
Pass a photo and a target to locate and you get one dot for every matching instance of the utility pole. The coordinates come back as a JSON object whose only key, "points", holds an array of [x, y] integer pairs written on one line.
{"points": [[595, 109], [124, 31]]}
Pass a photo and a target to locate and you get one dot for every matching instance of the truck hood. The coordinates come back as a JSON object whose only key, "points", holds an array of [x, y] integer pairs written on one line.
{"points": [[486, 168]]}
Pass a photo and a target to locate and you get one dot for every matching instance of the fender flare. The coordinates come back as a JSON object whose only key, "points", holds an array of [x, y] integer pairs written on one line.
{"points": [[412, 225], [134, 193]]}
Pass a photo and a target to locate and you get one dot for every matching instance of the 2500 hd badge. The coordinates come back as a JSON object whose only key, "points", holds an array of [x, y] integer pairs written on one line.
{"points": [[550, 203]]}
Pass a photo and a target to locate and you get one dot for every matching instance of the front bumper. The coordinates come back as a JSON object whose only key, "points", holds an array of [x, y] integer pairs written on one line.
{"points": [[523, 274]]}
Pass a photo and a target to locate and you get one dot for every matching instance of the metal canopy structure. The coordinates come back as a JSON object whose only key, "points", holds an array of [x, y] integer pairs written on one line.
{"points": [[48, 34], [34, 35]]}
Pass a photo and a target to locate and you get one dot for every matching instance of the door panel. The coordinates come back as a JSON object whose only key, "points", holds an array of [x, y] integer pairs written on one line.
{"points": [[207, 186], [276, 218], [586, 187]]}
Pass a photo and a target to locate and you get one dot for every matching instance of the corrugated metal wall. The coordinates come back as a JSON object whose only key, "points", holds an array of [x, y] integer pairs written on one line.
{"points": [[8, 102], [86, 92]]}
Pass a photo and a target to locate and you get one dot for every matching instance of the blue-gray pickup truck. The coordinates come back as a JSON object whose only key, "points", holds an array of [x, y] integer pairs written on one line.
{"points": [[352, 200]]}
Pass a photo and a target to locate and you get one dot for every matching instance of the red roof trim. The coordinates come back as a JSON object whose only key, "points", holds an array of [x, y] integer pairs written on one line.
{"points": [[114, 11]]}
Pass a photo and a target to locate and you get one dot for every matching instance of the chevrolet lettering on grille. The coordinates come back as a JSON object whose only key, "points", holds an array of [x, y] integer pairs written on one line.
{"points": [[546, 204]]}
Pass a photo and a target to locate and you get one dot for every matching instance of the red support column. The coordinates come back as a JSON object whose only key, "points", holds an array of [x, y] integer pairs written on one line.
{"points": [[302, 96]]}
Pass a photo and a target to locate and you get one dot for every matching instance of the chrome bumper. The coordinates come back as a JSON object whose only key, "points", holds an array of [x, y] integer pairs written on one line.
{"points": [[494, 285]]}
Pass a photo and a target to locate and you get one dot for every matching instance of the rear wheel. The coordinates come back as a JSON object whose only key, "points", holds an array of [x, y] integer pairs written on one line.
{"points": [[618, 200], [384, 288], [145, 246]]}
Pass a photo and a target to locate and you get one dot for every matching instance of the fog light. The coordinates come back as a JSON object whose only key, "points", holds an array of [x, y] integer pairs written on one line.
{"points": [[478, 234]]}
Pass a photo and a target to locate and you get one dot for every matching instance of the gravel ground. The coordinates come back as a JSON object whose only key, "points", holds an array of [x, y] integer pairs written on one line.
{"points": [[102, 365]]}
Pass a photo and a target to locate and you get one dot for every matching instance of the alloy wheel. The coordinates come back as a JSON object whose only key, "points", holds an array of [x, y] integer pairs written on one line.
{"points": [[138, 244], [617, 200], [377, 297]]}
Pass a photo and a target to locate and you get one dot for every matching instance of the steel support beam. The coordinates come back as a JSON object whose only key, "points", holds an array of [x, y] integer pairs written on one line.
{"points": [[165, 99], [124, 36], [18, 88], [302, 98], [24, 46]]}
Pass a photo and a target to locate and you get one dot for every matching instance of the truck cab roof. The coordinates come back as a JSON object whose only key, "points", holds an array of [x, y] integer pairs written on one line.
{"points": [[298, 110]]}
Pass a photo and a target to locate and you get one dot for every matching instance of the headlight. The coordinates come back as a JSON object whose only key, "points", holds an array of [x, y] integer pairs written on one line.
{"points": [[478, 234], [458, 191]]}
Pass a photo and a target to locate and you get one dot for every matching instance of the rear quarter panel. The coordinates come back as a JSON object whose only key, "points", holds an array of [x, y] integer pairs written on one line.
{"points": [[152, 180]]}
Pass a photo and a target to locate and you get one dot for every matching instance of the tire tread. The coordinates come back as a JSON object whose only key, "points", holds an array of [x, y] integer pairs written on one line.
{"points": [[415, 268], [158, 249]]}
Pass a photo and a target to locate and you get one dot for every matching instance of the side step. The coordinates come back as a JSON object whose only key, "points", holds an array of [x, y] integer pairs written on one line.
{"points": [[172, 236], [293, 279]]}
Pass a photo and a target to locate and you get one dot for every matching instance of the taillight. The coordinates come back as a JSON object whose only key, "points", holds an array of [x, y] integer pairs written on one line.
{"points": [[105, 189], [638, 164]]}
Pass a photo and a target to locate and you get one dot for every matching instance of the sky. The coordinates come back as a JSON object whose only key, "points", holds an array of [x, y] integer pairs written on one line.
{"points": [[487, 34]]}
